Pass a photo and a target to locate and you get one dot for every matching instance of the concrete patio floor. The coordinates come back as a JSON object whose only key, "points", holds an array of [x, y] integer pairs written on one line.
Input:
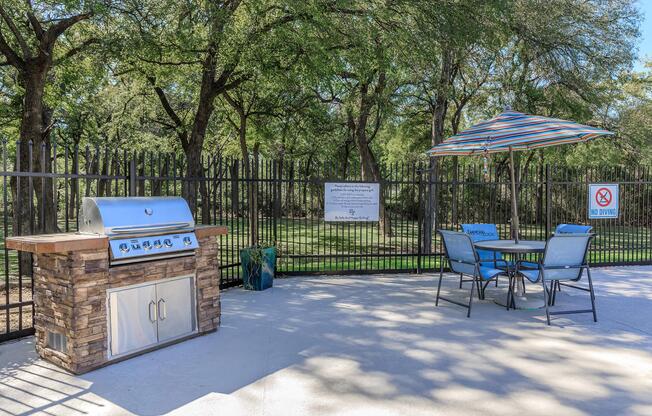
{"points": [[371, 345]]}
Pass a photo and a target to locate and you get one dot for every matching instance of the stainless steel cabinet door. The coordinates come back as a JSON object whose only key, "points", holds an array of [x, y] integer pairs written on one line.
{"points": [[176, 308], [133, 319]]}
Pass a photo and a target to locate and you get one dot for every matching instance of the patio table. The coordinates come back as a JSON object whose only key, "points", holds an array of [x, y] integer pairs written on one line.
{"points": [[521, 301]]}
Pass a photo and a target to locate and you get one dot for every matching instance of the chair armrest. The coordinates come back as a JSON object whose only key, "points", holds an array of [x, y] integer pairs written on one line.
{"points": [[461, 261], [497, 261], [519, 264], [578, 266]]}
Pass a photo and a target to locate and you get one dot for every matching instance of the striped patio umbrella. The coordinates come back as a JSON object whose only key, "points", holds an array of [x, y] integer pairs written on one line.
{"points": [[512, 131]]}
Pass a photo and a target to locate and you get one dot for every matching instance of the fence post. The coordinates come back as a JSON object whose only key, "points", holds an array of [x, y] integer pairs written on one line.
{"points": [[132, 177], [253, 201], [548, 200], [456, 173], [276, 189], [420, 221]]}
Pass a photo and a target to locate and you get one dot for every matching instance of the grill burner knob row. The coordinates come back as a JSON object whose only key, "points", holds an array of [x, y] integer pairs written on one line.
{"points": [[167, 242], [124, 248]]}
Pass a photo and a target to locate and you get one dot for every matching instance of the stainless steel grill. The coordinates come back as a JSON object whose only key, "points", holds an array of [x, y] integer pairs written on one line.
{"points": [[141, 228]]}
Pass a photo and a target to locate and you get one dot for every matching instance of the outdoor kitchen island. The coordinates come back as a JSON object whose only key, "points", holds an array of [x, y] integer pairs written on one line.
{"points": [[93, 308]]}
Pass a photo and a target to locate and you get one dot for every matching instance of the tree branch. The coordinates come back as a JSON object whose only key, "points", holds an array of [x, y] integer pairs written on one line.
{"points": [[237, 106], [181, 132], [21, 41], [36, 25], [12, 57], [231, 85], [57, 29], [74, 51], [170, 63]]}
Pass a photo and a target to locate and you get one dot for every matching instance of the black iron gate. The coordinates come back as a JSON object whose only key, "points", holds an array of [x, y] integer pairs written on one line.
{"points": [[281, 202]]}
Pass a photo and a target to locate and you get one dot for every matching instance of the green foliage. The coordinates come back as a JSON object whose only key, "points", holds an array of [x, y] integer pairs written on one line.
{"points": [[303, 71]]}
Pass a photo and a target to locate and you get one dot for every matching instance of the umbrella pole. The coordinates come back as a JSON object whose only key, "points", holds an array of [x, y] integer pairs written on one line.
{"points": [[514, 204]]}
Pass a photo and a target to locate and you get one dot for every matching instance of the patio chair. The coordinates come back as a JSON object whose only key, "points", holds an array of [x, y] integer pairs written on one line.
{"points": [[567, 229], [573, 229], [561, 229], [463, 259], [485, 232], [564, 259]]}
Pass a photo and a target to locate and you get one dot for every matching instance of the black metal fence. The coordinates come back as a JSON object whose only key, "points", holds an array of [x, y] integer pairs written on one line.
{"points": [[281, 202]]}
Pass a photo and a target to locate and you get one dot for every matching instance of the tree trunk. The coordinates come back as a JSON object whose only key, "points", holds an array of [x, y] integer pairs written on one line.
{"points": [[194, 146], [141, 173], [33, 67], [235, 189], [289, 193], [31, 131], [195, 182], [74, 169], [46, 211], [103, 184], [438, 117], [370, 171]]}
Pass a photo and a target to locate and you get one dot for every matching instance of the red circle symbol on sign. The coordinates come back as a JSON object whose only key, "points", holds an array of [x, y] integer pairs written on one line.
{"points": [[603, 197]]}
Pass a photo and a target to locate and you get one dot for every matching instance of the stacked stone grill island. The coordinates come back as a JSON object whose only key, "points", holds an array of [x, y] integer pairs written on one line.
{"points": [[138, 276]]}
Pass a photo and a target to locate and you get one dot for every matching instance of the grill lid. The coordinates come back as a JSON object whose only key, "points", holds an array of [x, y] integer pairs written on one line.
{"points": [[122, 216]]}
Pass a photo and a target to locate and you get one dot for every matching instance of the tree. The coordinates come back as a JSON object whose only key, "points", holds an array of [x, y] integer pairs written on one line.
{"points": [[361, 79], [452, 63], [208, 45], [30, 38]]}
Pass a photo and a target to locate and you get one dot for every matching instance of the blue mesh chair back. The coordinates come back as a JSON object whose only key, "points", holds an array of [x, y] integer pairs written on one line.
{"points": [[463, 259], [568, 251], [573, 229], [483, 232], [460, 251]]}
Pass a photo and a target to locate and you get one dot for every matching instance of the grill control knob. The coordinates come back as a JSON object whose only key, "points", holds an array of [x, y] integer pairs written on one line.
{"points": [[147, 245], [123, 247], [167, 242], [187, 241], [157, 243]]}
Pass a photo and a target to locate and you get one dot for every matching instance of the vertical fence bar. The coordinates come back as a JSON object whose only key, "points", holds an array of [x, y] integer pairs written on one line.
{"points": [[132, 177], [5, 224]]}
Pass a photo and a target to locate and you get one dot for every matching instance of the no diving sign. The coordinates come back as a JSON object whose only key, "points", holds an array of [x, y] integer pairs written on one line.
{"points": [[603, 200]]}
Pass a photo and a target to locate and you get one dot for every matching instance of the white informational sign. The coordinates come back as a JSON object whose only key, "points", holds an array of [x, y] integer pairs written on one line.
{"points": [[351, 201], [603, 200]]}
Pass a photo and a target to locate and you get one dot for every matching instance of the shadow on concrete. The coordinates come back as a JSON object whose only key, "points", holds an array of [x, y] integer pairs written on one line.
{"points": [[373, 345]]}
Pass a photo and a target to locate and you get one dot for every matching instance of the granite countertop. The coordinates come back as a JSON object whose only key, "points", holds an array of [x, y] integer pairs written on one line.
{"points": [[63, 242]]}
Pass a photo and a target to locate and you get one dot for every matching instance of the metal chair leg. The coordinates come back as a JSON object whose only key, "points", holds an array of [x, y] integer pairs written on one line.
{"points": [[479, 289], [468, 314], [512, 303], [595, 314], [510, 293], [545, 298], [461, 280], [441, 275], [553, 291], [484, 288]]}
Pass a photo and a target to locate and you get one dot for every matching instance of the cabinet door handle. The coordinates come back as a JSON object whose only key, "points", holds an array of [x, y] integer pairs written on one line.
{"points": [[163, 311], [152, 303]]}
